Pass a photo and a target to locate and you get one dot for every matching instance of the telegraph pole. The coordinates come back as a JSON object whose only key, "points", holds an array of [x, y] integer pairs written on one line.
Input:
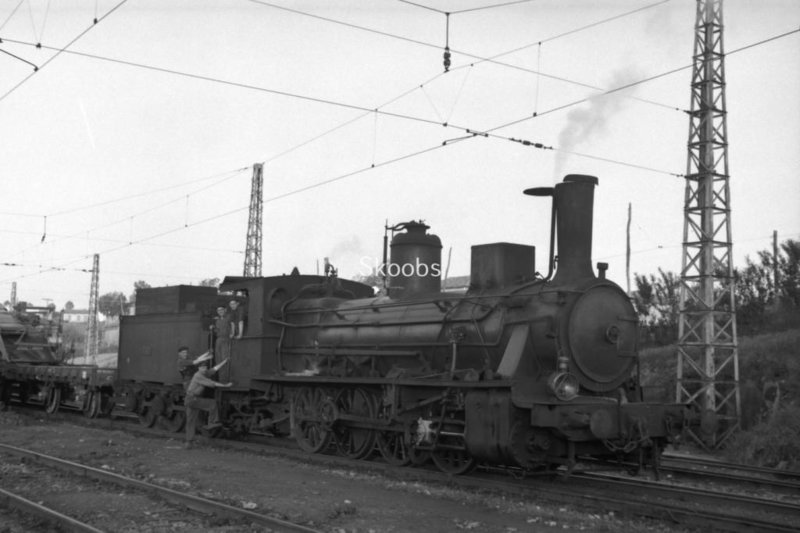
{"points": [[252, 254], [92, 338], [708, 365]]}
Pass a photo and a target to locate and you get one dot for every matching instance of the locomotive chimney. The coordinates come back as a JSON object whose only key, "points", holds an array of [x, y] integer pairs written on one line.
{"points": [[574, 205]]}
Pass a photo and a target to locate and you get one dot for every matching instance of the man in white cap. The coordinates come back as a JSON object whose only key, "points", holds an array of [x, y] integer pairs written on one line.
{"points": [[195, 402]]}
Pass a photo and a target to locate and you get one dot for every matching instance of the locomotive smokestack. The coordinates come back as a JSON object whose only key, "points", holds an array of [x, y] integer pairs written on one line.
{"points": [[574, 203]]}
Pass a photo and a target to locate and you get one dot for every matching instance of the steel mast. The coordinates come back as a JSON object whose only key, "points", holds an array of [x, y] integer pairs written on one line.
{"points": [[92, 337], [252, 254], [708, 365]]}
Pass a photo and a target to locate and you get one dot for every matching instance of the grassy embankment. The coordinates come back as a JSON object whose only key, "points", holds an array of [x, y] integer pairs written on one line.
{"points": [[769, 377]]}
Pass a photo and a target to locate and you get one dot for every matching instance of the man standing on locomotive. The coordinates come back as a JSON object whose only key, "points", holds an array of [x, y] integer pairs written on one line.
{"points": [[195, 402], [237, 319], [223, 331]]}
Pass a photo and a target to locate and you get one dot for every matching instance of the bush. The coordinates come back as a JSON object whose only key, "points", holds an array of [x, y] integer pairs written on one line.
{"points": [[772, 443]]}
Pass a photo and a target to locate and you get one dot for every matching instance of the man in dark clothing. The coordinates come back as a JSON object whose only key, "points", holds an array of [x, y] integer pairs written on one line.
{"points": [[186, 366], [223, 331], [237, 319], [195, 402]]}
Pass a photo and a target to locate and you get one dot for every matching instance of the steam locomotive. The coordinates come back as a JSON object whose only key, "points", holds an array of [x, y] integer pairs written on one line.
{"points": [[523, 370]]}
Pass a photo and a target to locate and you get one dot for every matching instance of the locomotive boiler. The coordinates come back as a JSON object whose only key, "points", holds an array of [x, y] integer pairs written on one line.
{"points": [[523, 369]]}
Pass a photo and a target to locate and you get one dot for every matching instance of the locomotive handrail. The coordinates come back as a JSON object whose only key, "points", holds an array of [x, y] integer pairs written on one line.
{"points": [[402, 303], [340, 351], [414, 381]]}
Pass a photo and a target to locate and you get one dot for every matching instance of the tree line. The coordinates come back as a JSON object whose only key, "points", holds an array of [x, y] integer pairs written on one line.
{"points": [[766, 292]]}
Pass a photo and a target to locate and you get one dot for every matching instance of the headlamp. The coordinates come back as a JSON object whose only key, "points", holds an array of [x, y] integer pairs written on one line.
{"points": [[564, 385]]}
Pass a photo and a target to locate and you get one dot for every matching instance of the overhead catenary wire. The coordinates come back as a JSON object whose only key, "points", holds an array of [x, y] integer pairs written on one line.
{"points": [[446, 142], [226, 175], [637, 82], [366, 110], [59, 52], [467, 10], [33, 23], [130, 241], [218, 216], [539, 145], [127, 197], [231, 83], [129, 218], [35, 68], [375, 113], [11, 15], [362, 108], [479, 59]]}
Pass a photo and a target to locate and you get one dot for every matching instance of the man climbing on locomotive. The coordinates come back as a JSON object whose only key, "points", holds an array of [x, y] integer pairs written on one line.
{"points": [[194, 400]]}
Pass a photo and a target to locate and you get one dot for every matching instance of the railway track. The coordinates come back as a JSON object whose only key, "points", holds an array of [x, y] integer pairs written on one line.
{"points": [[16, 502], [165, 501], [705, 507], [772, 478], [737, 476]]}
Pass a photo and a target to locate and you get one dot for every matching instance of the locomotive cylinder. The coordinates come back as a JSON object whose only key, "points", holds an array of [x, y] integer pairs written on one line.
{"points": [[415, 263], [574, 202]]}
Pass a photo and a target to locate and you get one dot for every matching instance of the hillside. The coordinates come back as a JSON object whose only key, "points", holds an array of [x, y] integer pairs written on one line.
{"points": [[769, 376]]}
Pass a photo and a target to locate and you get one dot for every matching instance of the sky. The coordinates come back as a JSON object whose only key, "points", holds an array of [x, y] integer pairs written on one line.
{"points": [[136, 137]]}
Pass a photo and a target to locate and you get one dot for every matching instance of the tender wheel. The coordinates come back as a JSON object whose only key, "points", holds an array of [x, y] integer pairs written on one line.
{"points": [[5, 394], [311, 419], [174, 418], [53, 400], [150, 410], [394, 448], [453, 461], [355, 442], [91, 408]]}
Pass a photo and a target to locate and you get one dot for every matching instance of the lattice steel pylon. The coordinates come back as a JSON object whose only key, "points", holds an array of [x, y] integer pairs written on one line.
{"points": [[252, 253], [92, 337], [708, 365]]}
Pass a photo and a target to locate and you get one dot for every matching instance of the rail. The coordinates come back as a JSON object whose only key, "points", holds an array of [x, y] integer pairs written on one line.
{"points": [[192, 502]]}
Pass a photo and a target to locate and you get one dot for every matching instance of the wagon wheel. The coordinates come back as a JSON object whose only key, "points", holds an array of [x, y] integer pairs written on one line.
{"points": [[453, 461], [312, 414], [107, 403], [394, 448], [53, 401], [355, 442], [91, 407]]}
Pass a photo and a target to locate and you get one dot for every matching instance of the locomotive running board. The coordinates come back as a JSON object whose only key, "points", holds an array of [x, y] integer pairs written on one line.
{"points": [[408, 382]]}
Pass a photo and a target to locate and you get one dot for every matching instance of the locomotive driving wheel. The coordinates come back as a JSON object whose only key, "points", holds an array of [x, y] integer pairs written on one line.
{"points": [[355, 442], [312, 415], [393, 447]]}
